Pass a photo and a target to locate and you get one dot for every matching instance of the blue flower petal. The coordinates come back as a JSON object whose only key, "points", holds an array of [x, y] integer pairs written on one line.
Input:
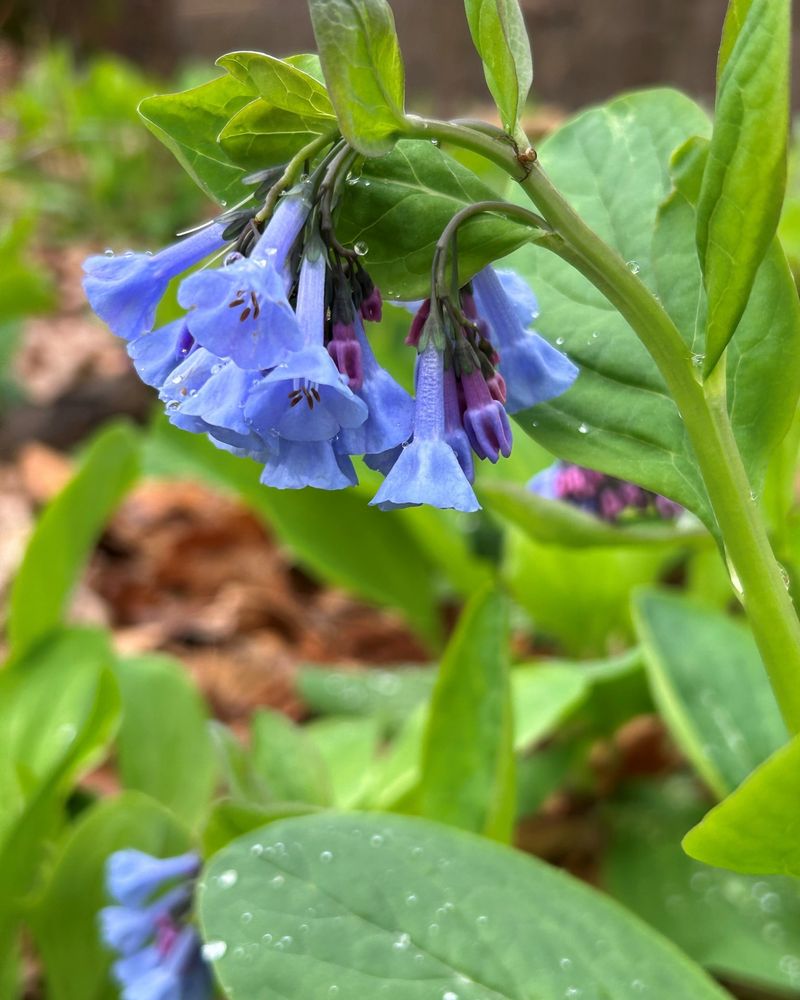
{"points": [[427, 472], [241, 312], [297, 464], [133, 876], [157, 353]]}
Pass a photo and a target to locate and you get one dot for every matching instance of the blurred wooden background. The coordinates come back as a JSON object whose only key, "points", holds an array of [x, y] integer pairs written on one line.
{"points": [[585, 50]]}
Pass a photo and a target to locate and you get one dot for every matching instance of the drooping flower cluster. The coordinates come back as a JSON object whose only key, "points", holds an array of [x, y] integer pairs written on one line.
{"points": [[159, 951], [604, 496], [271, 359]]}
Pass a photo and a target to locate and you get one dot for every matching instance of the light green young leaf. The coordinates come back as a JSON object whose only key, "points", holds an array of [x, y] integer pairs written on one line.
{"points": [[363, 69], [550, 522], [261, 136], [404, 907], [398, 208], [347, 747], [279, 84], [189, 123], [737, 927], [66, 533], [498, 33], [612, 164], [164, 747], [467, 765], [745, 178], [734, 20], [288, 762], [709, 683], [236, 765], [756, 829], [65, 918], [389, 695], [767, 336]]}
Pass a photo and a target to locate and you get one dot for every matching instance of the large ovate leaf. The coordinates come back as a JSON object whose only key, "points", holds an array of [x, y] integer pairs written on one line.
{"points": [[398, 206], [261, 136], [768, 330], [363, 69], [612, 165], [164, 747], [189, 123], [66, 533], [467, 764], [366, 906], [710, 685], [279, 84], [745, 177], [498, 33], [757, 827], [65, 918], [739, 928]]}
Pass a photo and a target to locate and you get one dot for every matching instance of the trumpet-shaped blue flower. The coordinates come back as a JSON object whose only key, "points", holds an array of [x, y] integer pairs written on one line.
{"points": [[158, 353], [533, 370], [390, 408], [297, 464], [124, 291], [126, 929], [427, 470], [133, 876]]}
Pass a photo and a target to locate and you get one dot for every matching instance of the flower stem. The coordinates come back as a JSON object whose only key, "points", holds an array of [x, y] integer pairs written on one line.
{"points": [[755, 573], [292, 171]]}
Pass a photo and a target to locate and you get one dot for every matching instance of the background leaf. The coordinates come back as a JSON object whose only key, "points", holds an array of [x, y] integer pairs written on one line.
{"points": [[611, 163], [710, 686], [398, 206], [66, 533], [363, 69], [467, 764], [745, 178], [498, 33], [737, 927], [755, 829], [289, 763], [163, 746], [428, 912], [76, 963]]}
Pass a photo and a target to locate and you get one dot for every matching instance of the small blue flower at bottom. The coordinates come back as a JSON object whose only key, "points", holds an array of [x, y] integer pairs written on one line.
{"points": [[133, 876], [427, 470]]}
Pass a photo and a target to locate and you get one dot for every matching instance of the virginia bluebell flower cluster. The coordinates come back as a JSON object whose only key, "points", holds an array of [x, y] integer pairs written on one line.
{"points": [[271, 359], [604, 496], [159, 951]]}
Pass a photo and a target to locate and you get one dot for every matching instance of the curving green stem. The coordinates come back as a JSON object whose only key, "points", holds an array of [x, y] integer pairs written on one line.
{"points": [[756, 575]]}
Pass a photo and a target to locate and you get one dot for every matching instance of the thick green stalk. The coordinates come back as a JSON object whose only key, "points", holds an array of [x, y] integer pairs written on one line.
{"points": [[754, 571]]}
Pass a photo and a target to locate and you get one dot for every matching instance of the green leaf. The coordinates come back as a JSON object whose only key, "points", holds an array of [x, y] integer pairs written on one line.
{"points": [[467, 767], [498, 33], [164, 747], [391, 695], [543, 695], [745, 178], [76, 962], [737, 927], [363, 69], [611, 163], [59, 707], [189, 123], [734, 19], [398, 207], [348, 747], [378, 905], [756, 829], [67, 532], [230, 819], [549, 521], [386, 565], [261, 136], [279, 84], [238, 771], [769, 328], [580, 596], [288, 762], [710, 686]]}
